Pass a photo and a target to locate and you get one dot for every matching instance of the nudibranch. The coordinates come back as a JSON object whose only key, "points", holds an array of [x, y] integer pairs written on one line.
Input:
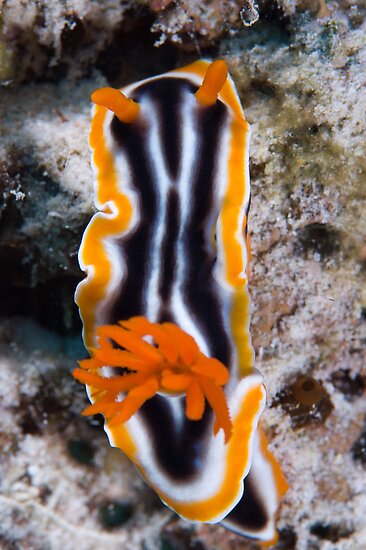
{"points": [[165, 303]]}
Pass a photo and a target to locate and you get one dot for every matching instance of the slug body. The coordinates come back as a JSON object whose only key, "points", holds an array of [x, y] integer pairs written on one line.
{"points": [[166, 259]]}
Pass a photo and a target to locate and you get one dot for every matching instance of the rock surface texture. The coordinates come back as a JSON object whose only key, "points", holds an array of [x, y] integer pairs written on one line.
{"points": [[300, 68]]}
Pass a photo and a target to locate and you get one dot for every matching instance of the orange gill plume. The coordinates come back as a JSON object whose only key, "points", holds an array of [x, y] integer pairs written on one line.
{"points": [[172, 363]]}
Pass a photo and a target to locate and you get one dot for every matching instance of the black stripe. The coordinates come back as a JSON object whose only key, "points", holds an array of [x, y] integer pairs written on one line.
{"points": [[135, 249], [167, 94], [180, 452], [250, 512], [168, 250], [200, 287]]}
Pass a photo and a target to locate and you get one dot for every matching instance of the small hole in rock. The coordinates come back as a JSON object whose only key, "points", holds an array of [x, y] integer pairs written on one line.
{"points": [[115, 513], [306, 401], [81, 451]]}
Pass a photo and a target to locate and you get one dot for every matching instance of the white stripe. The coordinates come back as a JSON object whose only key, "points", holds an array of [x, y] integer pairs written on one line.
{"points": [[185, 186], [161, 184]]}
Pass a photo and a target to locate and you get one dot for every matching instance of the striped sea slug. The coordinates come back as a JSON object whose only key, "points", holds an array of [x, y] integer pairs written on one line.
{"points": [[165, 302]]}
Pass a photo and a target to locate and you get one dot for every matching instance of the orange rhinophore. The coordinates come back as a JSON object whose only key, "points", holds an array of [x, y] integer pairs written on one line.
{"points": [[126, 110], [212, 84], [165, 303]]}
